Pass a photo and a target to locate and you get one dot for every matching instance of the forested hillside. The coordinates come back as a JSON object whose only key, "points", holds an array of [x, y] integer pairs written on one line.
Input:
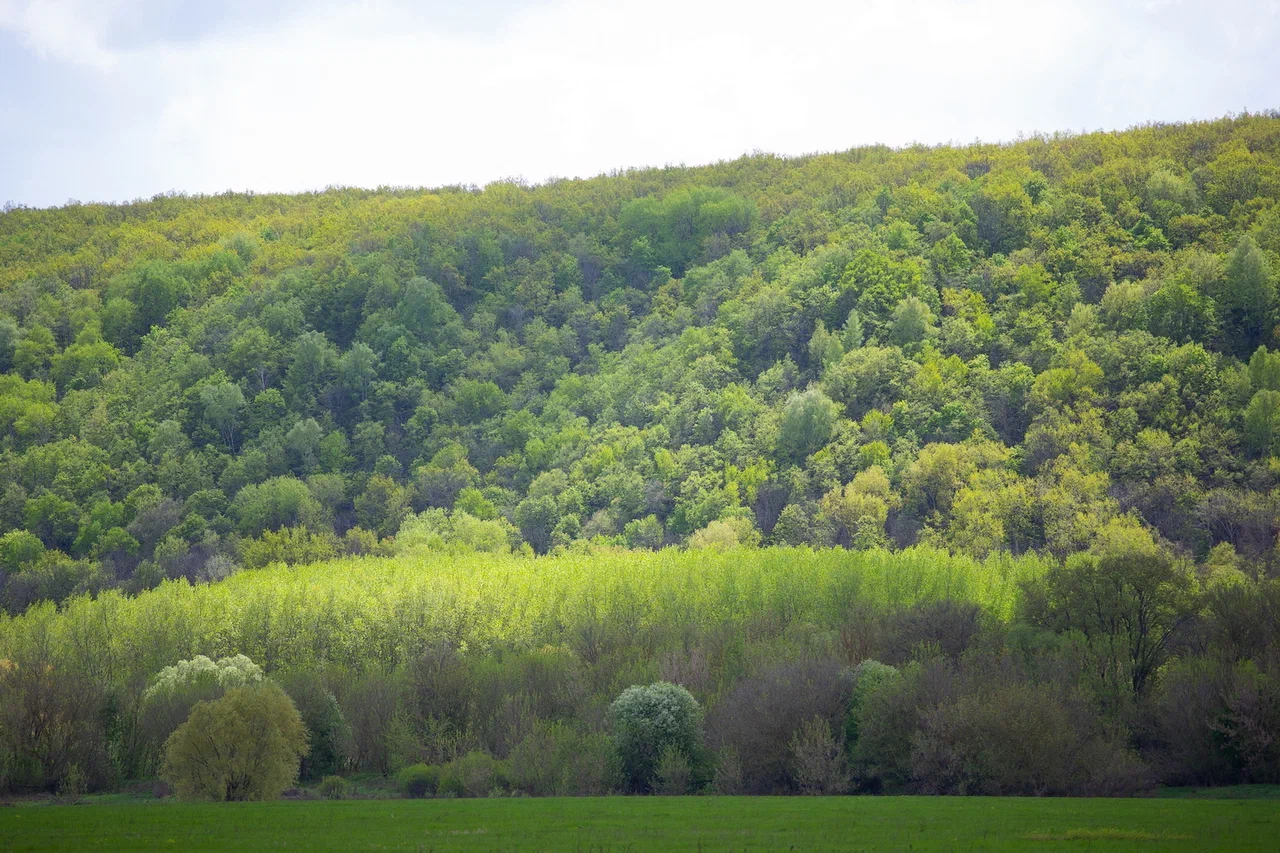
{"points": [[1009, 414], [983, 348]]}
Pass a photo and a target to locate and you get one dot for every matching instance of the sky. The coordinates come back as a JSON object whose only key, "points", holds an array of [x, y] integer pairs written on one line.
{"points": [[114, 100]]}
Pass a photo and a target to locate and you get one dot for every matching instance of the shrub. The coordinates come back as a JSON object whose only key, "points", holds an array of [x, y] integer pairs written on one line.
{"points": [[334, 788], [556, 760], [646, 720], [727, 780], [819, 765], [760, 716], [176, 690], [244, 746], [419, 780], [887, 719], [475, 774], [328, 733], [71, 786], [1020, 739], [672, 774]]}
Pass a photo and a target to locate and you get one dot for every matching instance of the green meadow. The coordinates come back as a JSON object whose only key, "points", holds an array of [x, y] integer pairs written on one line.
{"points": [[655, 823]]}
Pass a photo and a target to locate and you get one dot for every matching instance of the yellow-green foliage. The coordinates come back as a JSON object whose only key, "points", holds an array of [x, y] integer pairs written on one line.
{"points": [[244, 746], [360, 610]]}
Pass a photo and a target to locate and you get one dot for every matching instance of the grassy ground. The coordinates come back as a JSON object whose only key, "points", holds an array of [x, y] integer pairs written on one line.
{"points": [[654, 823]]}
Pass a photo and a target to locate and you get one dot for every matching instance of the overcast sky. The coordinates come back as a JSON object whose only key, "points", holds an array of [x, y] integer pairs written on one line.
{"points": [[112, 100]]}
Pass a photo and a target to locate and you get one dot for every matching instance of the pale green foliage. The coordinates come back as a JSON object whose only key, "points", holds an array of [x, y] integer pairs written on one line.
{"points": [[348, 602], [244, 746], [825, 348], [290, 545], [455, 532], [806, 423], [912, 324], [726, 533], [862, 507], [18, 549]]}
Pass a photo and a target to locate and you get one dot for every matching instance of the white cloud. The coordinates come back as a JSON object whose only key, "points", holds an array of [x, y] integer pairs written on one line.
{"points": [[366, 93], [65, 30]]}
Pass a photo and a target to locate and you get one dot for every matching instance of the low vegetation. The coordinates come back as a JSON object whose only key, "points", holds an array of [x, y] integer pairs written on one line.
{"points": [[665, 824], [749, 670]]}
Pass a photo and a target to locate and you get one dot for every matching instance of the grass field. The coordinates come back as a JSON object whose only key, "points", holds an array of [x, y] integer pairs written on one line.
{"points": [[655, 823]]}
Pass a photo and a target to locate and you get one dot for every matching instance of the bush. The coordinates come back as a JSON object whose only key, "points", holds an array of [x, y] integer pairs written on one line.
{"points": [[556, 760], [1020, 739], [818, 759], [418, 781], [672, 775], [888, 718], [244, 746], [647, 720], [760, 716], [475, 774], [328, 733], [727, 780], [176, 690], [334, 788]]}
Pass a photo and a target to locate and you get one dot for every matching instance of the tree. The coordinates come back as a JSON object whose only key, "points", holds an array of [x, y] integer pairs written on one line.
{"points": [[357, 368], [806, 423], [1247, 298], [650, 719], [382, 506], [18, 549], [1178, 312], [1126, 595], [303, 440], [278, 502], [34, 352], [9, 337], [1262, 422], [243, 746], [176, 689], [862, 507], [912, 323], [825, 349], [222, 403]]}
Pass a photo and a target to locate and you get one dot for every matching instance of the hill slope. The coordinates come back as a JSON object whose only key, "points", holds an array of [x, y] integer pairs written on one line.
{"points": [[984, 348]]}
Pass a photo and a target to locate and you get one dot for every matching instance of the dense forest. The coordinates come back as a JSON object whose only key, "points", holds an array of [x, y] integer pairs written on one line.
{"points": [[1056, 359]]}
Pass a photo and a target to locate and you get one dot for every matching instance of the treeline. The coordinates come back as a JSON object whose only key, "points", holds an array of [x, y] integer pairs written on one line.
{"points": [[740, 671], [991, 348]]}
